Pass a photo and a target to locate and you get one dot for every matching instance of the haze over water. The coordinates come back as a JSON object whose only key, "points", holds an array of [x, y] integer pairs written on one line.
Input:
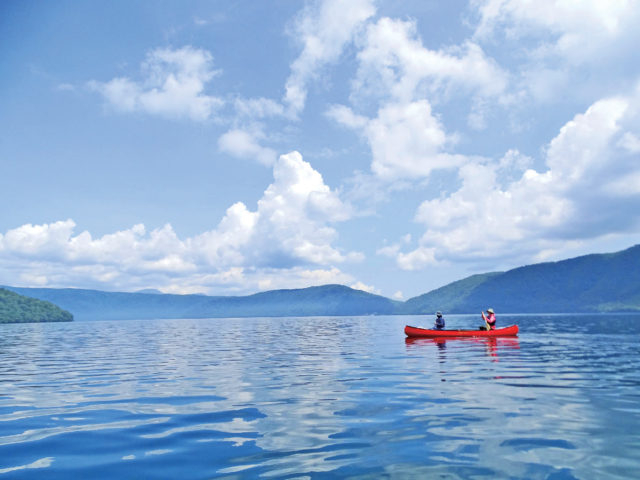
{"points": [[330, 397]]}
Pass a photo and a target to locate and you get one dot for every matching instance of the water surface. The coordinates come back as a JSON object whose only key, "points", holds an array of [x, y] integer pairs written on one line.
{"points": [[331, 397]]}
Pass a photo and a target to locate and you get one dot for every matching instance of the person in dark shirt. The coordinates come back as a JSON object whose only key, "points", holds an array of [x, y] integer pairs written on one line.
{"points": [[439, 325]]}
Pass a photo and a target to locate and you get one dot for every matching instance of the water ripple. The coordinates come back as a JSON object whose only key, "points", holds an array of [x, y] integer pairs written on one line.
{"points": [[342, 397]]}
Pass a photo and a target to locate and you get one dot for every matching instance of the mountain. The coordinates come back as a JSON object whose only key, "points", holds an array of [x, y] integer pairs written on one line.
{"points": [[149, 290], [313, 301], [590, 283], [16, 308], [447, 298]]}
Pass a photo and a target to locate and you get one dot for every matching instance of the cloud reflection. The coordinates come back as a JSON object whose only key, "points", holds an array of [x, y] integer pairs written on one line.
{"points": [[41, 463]]}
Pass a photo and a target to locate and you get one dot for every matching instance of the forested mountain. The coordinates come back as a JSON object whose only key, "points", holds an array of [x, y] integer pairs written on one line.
{"points": [[16, 308], [591, 283], [323, 300]]}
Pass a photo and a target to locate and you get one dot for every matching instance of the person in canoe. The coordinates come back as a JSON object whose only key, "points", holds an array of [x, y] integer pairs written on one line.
{"points": [[439, 325], [489, 320]]}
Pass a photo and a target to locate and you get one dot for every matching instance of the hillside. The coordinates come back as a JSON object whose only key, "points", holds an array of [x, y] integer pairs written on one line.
{"points": [[312, 301], [16, 308], [447, 297], [590, 283]]}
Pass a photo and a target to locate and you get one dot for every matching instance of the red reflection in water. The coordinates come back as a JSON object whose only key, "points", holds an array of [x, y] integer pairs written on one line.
{"points": [[493, 345]]}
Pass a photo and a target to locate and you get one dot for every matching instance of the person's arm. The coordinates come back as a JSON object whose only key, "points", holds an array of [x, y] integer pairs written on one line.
{"points": [[486, 322]]}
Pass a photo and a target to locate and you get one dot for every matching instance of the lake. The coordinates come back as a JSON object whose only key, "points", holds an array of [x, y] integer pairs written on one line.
{"points": [[330, 397]]}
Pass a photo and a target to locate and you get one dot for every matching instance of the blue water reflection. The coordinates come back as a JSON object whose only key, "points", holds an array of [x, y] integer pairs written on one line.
{"points": [[332, 397]]}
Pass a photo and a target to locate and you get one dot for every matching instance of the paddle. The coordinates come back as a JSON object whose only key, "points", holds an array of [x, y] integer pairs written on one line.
{"points": [[485, 321]]}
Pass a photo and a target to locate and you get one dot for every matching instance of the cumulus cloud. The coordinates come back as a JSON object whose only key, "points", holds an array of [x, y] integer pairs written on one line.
{"points": [[289, 238], [365, 288], [406, 140], [587, 191], [564, 47], [44, 239], [393, 61], [581, 30], [295, 211], [289, 227], [324, 30], [630, 142], [173, 86]]}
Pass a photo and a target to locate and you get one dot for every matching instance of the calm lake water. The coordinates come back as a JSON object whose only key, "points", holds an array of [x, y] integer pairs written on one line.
{"points": [[331, 397]]}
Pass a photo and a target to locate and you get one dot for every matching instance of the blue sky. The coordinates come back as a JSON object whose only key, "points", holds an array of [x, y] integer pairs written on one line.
{"points": [[239, 146]]}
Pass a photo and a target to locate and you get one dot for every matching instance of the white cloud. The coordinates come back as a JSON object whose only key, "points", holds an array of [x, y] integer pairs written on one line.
{"points": [[347, 117], [294, 213], [389, 250], [242, 144], [393, 249], [289, 227], [287, 241], [258, 107], [417, 259], [626, 186], [323, 30], [298, 277], [406, 140], [365, 288], [506, 209], [630, 142], [581, 30], [43, 239], [394, 62], [173, 86], [564, 48]]}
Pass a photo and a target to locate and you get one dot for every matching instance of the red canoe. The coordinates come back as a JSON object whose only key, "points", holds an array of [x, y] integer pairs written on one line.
{"points": [[510, 331]]}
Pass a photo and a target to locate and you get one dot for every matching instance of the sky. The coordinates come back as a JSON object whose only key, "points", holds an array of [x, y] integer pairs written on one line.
{"points": [[231, 147]]}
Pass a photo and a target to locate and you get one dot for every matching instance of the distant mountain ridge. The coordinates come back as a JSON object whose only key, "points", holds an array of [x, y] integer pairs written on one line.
{"points": [[590, 283], [327, 300]]}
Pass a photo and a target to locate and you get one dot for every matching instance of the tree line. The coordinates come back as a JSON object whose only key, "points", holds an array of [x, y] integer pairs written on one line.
{"points": [[15, 308]]}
